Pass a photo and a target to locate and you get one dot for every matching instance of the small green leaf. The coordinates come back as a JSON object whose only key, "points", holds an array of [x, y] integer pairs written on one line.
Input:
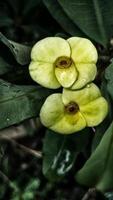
{"points": [[20, 52], [60, 152], [30, 191], [18, 103], [97, 171]]}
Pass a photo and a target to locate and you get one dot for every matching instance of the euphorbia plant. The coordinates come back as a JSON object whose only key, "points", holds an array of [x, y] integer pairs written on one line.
{"points": [[76, 113], [70, 64]]}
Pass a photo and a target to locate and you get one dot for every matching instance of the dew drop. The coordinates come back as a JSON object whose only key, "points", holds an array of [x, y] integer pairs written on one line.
{"points": [[88, 86]]}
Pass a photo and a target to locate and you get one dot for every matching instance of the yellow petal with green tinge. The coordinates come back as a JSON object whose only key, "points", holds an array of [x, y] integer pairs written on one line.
{"points": [[52, 110], [69, 124], [83, 96], [44, 74], [86, 74], [83, 51], [95, 112], [49, 49], [66, 76]]}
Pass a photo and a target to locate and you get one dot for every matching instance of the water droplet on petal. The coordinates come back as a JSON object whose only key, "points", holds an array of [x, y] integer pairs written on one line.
{"points": [[88, 85]]}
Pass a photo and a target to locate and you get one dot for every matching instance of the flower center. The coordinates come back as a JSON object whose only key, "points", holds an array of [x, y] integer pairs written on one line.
{"points": [[72, 108], [63, 62]]}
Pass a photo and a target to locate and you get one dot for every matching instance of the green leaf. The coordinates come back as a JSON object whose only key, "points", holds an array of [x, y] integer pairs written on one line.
{"points": [[109, 78], [31, 189], [60, 152], [98, 169], [93, 17], [18, 103], [20, 52], [66, 23]]}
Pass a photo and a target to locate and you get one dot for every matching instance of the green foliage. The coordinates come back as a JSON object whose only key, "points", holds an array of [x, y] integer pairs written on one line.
{"points": [[14, 98], [61, 151], [28, 193], [22, 24], [94, 18], [97, 171], [59, 14], [20, 52]]}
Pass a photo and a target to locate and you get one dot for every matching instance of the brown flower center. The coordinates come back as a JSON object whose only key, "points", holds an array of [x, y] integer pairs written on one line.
{"points": [[72, 108], [63, 62]]}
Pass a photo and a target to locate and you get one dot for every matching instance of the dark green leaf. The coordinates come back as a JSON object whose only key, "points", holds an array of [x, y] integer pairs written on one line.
{"points": [[57, 12], [60, 152], [18, 103], [98, 169], [93, 17], [20, 52]]}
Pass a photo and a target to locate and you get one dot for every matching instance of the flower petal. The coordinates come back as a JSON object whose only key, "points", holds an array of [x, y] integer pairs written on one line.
{"points": [[95, 112], [66, 76], [83, 51], [52, 110], [49, 49], [81, 97], [43, 73], [86, 74], [69, 124]]}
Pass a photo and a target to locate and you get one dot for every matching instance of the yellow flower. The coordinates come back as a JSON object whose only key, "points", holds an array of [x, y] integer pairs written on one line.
{"points": [[57, 62], [72, 111]]}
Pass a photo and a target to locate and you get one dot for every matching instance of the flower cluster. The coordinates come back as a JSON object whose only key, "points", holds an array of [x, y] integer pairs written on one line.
{"points": [[70, 64]]}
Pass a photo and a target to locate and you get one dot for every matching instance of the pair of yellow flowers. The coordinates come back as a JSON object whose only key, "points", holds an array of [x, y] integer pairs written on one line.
{"points": [[71, 64]]}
